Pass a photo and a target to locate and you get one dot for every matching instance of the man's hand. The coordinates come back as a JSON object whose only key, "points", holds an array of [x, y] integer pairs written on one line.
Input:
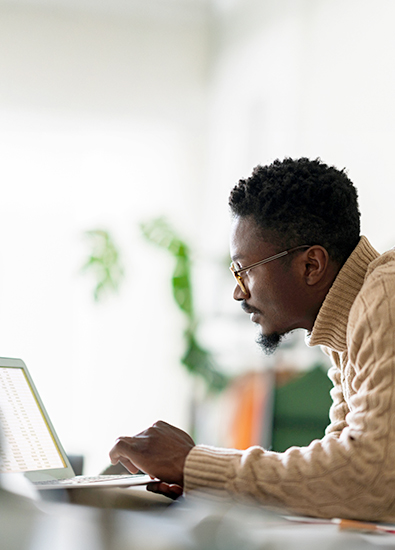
{"points": [[172, 491], [159, 451]]}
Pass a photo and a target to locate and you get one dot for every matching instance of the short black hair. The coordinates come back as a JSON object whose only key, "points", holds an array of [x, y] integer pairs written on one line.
{"points": [[301, 201]]}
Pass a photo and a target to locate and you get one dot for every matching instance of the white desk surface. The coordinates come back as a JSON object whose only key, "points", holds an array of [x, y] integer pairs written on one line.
{"points": [[193, 525]]}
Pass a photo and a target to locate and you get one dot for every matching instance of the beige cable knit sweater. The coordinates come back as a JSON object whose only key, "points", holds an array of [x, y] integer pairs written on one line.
{"points": [[350, 473]]}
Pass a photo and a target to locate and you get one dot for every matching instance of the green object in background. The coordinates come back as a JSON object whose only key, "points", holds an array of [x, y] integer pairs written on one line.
{"points": [[160, 233], [104, 262], [196, 359], [301, 410]]}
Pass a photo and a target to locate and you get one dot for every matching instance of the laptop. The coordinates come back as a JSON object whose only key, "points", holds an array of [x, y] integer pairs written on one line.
{"points": [[29, 443]]}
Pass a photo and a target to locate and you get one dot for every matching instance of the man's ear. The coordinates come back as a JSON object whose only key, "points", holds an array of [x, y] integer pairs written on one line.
{"points": [[316, 261]]}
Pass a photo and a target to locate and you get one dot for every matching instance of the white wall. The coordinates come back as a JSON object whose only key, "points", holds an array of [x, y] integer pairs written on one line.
{"points": [[312, 78]]}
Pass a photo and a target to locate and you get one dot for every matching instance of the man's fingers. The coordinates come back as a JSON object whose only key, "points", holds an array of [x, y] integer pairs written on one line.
{"points": [[171, 490], [159, 451], [129, 465], [122, 452]]}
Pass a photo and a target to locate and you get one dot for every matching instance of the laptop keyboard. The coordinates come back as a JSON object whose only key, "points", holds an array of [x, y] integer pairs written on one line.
{"points": [[85, 479]]}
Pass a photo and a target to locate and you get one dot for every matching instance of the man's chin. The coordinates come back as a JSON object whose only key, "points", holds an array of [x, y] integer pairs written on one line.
{"points": [[269, 342]]}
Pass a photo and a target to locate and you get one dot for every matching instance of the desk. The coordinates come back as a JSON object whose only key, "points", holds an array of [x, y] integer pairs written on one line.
{"points": [[125, 498], [193, 525]]}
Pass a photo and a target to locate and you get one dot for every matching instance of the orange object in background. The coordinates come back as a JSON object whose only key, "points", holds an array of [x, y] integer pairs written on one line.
{"points": [[250, 397]]}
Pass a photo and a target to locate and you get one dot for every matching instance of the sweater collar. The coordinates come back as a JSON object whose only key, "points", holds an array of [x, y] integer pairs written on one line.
{"points": [[330, 327]]}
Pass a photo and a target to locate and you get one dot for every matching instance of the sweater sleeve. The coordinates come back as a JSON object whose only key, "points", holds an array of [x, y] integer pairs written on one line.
{"points": [[350, 472]]}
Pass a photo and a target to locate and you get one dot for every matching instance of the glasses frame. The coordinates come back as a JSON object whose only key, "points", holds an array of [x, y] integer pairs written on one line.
{"points": [[236, 272]]}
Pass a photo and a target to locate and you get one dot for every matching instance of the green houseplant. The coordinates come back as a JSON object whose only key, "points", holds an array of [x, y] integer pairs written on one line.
{"points": [[104, 262]]}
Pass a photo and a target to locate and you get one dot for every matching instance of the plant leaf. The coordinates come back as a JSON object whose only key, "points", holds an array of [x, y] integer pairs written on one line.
{"points": [[160, 233], [104, 263]]}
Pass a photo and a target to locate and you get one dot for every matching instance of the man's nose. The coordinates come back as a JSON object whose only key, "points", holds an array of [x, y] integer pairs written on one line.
{"points": [[238, 294]]}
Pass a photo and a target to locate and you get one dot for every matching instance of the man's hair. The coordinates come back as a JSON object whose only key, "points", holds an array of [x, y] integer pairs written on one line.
{"points": [[300, 202]]}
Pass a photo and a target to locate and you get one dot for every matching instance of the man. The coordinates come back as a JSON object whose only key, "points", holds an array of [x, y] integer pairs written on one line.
{"points": [[299, 262]]}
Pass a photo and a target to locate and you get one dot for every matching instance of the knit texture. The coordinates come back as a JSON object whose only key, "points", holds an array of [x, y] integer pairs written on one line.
{"points": [[350, 472]]}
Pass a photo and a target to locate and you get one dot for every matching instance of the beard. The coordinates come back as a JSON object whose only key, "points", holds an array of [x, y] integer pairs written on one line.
{"points": [[269, 342]]}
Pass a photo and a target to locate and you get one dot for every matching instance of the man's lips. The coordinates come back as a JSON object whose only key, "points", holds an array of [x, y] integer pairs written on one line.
{"points": [[254, 313], [254, 317]]}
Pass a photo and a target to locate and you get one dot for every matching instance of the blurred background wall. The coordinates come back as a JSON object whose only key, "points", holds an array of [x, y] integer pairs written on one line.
{"points": [[113, 112]]}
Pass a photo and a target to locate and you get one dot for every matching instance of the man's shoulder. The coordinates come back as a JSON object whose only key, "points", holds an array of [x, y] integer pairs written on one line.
{"points": [[371, 321], [378, 289], [382, 266]]}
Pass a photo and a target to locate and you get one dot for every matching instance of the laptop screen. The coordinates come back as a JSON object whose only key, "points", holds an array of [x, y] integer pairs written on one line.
{"points": [[27, 441]]}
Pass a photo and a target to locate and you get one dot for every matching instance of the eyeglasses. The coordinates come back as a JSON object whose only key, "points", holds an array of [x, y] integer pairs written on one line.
{"points": [[236, 272]]}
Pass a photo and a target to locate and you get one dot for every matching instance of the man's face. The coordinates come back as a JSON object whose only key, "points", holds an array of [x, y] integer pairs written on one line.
{"points": [[275, 298]]}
